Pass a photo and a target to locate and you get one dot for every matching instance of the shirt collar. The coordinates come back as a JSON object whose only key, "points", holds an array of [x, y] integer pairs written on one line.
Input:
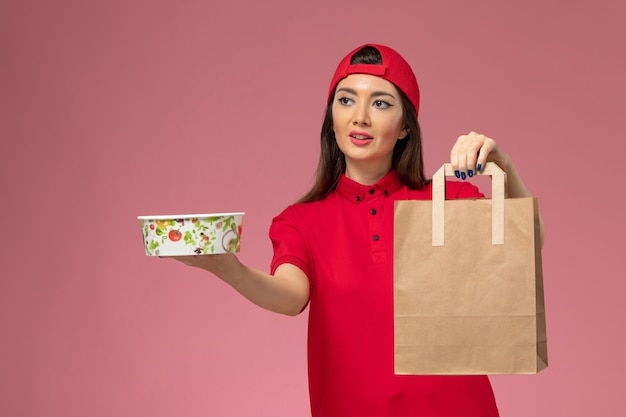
{"points": [[355, 192]]}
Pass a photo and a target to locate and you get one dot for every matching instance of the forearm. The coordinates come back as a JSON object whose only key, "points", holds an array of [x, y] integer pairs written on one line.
{"points": [[278, 293], [285, 292]]}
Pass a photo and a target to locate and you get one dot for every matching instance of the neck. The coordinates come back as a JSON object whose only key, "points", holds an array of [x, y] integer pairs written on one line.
{"points": [[366, 175]]}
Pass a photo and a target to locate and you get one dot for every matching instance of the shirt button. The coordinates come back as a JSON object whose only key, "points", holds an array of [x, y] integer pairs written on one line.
{"points": [[376, 237], [358, 198], [373, 211], [372, 191], [386, 193]]}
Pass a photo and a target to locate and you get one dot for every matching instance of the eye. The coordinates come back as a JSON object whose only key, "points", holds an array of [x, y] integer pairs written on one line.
{"points": [[344, 100], [381, 104]]}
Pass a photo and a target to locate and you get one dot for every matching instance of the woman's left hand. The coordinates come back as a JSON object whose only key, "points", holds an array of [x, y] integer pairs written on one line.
{"points": [[471, 152]]}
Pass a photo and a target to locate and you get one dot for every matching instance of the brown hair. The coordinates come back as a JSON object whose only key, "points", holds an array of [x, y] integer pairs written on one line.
{"points": [[407, 154]]}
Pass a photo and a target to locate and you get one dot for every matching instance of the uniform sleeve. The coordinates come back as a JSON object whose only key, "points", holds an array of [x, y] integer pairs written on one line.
{"points": [[290, 246], [458, 189]]}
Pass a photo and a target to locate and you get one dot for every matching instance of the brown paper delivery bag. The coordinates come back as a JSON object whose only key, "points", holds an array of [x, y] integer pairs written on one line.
{"points": [[468, 284]]}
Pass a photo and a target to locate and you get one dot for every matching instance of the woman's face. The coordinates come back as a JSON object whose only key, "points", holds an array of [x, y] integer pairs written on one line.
{"points": [[367, 121]]}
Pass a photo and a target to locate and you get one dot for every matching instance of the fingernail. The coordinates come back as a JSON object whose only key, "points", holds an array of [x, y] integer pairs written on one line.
{"points": [[462, 175], [470, 173], [457, 174], [479, 167]]}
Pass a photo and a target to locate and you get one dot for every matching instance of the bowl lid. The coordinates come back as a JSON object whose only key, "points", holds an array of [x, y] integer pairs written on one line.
{"points": [[188, 216]]}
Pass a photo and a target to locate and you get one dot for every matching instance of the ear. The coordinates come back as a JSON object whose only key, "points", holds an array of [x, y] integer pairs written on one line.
{"points": [[404, 133]]}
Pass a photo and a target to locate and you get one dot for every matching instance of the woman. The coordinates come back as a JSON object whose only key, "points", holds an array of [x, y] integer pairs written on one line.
{"points": [[333, 249]]}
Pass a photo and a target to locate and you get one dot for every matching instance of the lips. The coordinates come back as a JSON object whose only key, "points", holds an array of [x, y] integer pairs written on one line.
{"points": [[360, 135]]}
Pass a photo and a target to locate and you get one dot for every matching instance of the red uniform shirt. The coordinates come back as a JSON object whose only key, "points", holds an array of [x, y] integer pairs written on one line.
{"points": [[344, 244]]}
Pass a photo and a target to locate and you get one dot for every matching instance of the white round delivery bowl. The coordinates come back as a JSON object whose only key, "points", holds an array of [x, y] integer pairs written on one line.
{"points": [[191, 234]]}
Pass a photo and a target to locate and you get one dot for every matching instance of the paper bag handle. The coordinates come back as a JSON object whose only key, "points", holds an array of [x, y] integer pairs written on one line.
{"points": [[498, 191]]}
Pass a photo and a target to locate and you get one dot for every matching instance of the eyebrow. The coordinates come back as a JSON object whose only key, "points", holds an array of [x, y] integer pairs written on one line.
{"points": [[374, 94]]}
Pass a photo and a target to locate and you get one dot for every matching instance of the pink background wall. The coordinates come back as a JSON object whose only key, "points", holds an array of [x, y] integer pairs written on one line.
{"points": [[112, 109]]}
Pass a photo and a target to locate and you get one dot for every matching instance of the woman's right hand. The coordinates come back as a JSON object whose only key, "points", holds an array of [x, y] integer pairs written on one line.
{"points": [[210, 263], [285, 292]]}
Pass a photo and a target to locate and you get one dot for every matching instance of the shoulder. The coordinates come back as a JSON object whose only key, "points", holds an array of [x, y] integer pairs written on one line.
{"points": [[302, 209], [304, 214]]}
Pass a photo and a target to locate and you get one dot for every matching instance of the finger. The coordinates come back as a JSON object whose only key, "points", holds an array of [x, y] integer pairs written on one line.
{"points": [[454, 161], [478, 152], [187, 260], [458, 161], [473, 149], [483, 154]]}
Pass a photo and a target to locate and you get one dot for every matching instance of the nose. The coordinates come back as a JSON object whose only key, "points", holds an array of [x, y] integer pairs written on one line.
{"points": [[361, 115]]}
